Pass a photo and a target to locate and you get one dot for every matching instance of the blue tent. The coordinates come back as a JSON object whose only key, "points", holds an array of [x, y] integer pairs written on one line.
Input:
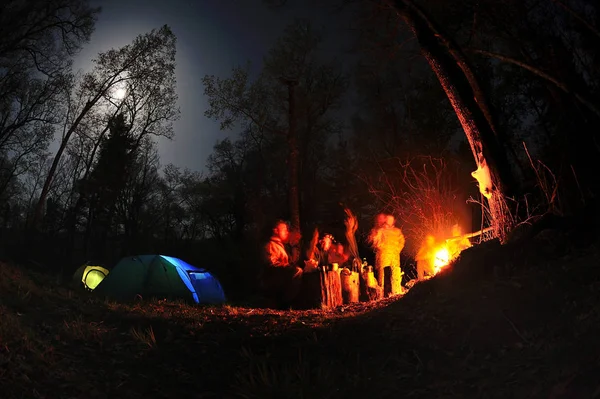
{"points": [[160, 276]]}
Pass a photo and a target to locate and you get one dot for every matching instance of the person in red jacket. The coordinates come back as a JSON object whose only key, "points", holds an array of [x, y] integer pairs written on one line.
{"points": [[280, 279]]}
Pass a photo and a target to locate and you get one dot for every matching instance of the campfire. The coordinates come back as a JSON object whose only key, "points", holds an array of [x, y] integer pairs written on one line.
{"points": [[436, 254], [331, 286], [441, 259]]}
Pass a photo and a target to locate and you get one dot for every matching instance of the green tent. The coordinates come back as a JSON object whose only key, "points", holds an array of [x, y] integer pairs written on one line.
{"points": [[89, 276], [160, 276]]}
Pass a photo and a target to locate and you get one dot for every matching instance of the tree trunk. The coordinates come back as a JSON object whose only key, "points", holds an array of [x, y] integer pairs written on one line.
{"points": [[39, 209], [63, 145], [87, 235], [239, 213], [293, 160], [493, 170], [88, 167]]}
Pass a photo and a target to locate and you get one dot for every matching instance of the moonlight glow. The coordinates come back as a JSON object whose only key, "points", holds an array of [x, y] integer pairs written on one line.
{"points": [[119, 93]]}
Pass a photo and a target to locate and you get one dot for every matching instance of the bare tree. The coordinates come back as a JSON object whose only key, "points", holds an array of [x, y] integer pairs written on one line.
{"points": [[37, 41], [290, 103], [148, 62], [461, 86]]}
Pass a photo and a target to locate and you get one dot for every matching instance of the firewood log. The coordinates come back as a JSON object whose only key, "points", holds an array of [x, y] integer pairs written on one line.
{"points": [[331, 289], [321, 290], [350, 286]]}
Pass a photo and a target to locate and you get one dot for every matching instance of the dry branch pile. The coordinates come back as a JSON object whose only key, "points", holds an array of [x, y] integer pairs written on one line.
{"points": [[422, 193]]}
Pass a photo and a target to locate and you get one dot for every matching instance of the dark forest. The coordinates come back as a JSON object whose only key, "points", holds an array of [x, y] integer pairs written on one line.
{"points": [[477, 119]]}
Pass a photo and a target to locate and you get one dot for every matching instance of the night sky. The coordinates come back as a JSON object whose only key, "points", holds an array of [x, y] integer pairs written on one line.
{"points": [[212, 37]]}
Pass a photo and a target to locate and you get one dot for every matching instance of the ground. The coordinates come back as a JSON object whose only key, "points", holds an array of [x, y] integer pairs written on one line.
{"points": [[505, 321]]}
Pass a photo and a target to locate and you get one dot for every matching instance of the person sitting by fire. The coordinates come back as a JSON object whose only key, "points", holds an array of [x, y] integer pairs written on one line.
{"points": [[319, 250], [339, 255], [280, 280], [388, 241], [324, 249]]}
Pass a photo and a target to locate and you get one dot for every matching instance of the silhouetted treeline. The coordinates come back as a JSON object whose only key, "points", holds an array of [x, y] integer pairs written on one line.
{"points": [[378, 134]]}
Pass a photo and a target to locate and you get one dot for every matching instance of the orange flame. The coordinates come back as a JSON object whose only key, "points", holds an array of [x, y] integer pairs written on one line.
{"points": [[434, 256], [441, 259]]}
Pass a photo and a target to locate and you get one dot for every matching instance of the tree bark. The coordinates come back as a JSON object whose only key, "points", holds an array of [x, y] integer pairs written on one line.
{"points": [[293, 159], [473, 116], [461, 61]]}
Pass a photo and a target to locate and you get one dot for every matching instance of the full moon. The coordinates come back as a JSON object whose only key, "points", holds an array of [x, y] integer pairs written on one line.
{"points": [[120, 93]]}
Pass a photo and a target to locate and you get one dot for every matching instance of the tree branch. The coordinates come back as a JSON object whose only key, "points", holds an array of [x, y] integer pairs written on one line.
{"points": [[538, 72], [578, 17]]}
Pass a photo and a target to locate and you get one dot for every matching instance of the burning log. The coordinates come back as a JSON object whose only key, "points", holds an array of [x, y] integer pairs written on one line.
{"points": [[470, 235], [350, 282], [433, 256]]}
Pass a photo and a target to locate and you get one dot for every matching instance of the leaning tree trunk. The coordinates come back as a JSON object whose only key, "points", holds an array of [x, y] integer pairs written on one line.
{"points": [[293, 159], [39, 209], [61, 149], [493, 170]]}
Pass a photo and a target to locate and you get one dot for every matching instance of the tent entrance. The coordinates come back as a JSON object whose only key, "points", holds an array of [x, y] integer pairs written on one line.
{"points": [[93, 277], [207, 287]]}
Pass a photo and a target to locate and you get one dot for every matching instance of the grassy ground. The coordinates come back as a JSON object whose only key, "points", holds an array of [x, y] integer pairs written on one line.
{"points": [[519, 321]]}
